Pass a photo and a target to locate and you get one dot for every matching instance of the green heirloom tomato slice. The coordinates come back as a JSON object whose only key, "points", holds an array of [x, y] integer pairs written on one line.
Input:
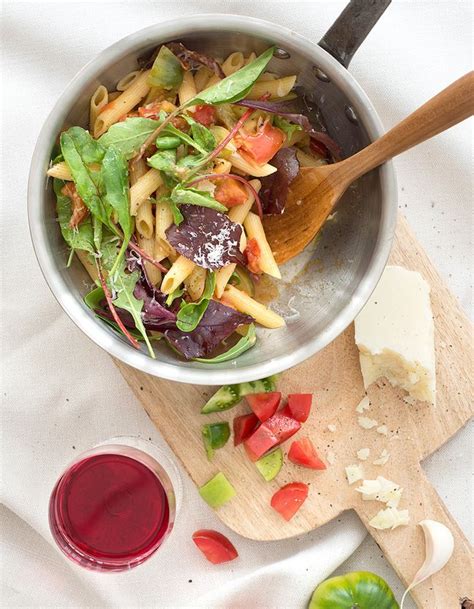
{"points": [[215, 435], [229, 395], [270, 464], [360, 590], [217, 491]]}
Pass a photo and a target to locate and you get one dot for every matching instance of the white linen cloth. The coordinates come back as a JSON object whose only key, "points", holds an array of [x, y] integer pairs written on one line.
{"points": [[61, 394]]}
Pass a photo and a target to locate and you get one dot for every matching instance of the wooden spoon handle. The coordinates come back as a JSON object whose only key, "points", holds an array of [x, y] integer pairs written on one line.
{"points": [[453, 105]]}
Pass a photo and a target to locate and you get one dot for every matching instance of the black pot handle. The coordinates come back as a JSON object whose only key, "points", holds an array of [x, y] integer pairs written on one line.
{"points": [[351, 28]]}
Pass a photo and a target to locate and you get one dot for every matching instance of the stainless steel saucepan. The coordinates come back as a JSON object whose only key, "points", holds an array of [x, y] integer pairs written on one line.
{"points": [[323, 290]]}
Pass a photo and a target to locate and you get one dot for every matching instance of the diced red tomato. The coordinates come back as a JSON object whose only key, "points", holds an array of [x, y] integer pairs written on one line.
{"points": [[230, 192], [302, 452], [273, 432], [288, 500], [285, 411], [215, 546], [265, 144], [205, 114], [153, 109], [300, 405], [250, 454], [264, 405], [244, 426], [252, 253]]}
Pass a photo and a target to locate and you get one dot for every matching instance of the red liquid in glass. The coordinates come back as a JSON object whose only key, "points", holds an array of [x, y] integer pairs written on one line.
{"points": [[109, 508]]}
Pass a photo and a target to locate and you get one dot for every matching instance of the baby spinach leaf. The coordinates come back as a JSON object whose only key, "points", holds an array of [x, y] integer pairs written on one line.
{"points": [[191, 313], [129, 135], [164, 160], [166, 71], [244, 344], [97, 230], [236, 86], [123, 285], [201, 134], [81, 237], [184, 137], [192, 196], [80, 152], [167, 142]]}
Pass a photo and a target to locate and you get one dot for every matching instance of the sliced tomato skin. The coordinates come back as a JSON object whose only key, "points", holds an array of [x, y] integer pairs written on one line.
{"points": [[300, 405], [302, 452], [265, 144], [264, 405], [215, 546], [244, 426], [230, 192], [288, 500], [260, 442], [205, 114]]}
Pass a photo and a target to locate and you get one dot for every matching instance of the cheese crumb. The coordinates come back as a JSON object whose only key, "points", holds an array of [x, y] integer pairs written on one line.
{"points": [[390, 518], [363, 454], [330, 457], [332, 427], [354, 473], [383, 429], [364, 404], [367, 423], [384, 457], [382, 490]]}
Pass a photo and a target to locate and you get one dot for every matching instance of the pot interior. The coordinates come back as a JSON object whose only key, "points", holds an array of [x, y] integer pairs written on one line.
{"points": [[319, 284]]}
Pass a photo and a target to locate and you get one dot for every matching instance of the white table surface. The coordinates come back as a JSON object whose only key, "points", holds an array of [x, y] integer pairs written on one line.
{"points": [[59, 390]]}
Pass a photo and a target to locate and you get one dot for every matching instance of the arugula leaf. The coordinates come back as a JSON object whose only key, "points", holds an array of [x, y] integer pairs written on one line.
{"points": [[164, 160], [201, 134], [173, 296], [167, 142], [80, 151], [244, 344], [184, 137], [129, 135], [287, 127], [236, 86], [81, 237], [192, 196], [93, 300], [123, 285], [190, 314], [108, 250], [166, 71]]}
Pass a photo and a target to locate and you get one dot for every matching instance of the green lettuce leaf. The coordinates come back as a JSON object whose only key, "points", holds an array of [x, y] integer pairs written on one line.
{"points": [[129, 135], [80, 238], [243, 345], [287, 127], [190, 314], [164, 160], [166, 71]]}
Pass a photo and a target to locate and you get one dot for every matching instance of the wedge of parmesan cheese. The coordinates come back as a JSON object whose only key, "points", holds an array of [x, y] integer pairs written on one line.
{"points": [[390, 518], [395, 334]]}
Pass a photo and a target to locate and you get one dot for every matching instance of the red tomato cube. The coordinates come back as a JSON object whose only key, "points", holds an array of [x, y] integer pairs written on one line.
{"points": [[244, 426], [288, 500], [302, 452], [282, 427], [230, 192], [261, 441], [300, 405], [264, 405], [215, 546], [204, 114]]}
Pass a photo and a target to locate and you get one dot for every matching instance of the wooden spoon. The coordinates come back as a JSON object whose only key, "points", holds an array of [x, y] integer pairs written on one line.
{"points": [[316, 190]]}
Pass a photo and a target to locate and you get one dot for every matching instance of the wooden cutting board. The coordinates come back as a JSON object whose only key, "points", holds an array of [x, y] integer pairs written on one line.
{"points": [[333, 375]]}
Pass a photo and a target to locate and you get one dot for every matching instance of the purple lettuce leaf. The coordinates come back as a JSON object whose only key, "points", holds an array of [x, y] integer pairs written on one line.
{"points": [[217, 324], [287, 111], [155, 315], [275, 187], [206, 237]]}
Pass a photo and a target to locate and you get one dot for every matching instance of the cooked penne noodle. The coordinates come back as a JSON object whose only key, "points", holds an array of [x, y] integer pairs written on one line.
{"points": [[61, 171], [307, 160], [243, 241], [163, 220], [136, 170], [274, 88], [234, 62], [267, 76], [148, 245], [113, 95], [250, 58], [187, 89], [84, 258], [125, 82], [182, 267], [239, 212], [243, 303], [222, 166], [266, 261], [144, 221], [201, 78], [259, 171], [143, 189], [99, 99], [195, 282], [125, 102]]}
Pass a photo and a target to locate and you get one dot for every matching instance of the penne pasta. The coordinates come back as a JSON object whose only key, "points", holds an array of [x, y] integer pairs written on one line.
{"points": [[187, 89], [143, 189], [84, 258], [246, 166], [221, 166], [99, 99], [148, 245], [245, 304], [266, 261], [273, 88], [60, 171], [195, 282], [182, 267], [113, 95], [239, 212], [125, 82], [137, 170], [250, 58], [163, 220], [234, 62], [144, 221], [201, 78], [125, 102]]}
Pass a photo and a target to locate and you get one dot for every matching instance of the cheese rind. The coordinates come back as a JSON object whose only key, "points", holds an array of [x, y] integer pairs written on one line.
{"points": [[395, 334]]}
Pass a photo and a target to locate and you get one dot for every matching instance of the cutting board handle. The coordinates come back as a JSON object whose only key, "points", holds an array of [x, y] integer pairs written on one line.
{"points": [[404, 548]]}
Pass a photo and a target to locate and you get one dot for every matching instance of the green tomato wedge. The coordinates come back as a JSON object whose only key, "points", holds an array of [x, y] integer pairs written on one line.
{"points": [[360, 589], [270, 464], [215, 435], [229, 395], [217, 491]]}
